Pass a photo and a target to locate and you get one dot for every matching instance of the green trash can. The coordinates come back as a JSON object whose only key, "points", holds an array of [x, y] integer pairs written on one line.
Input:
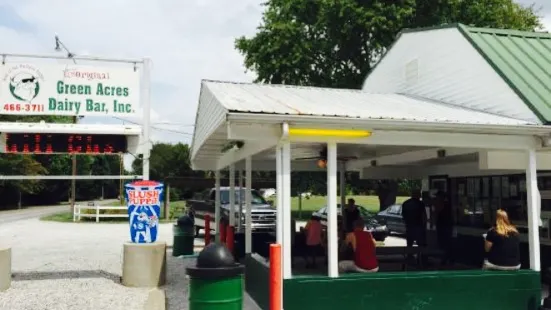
{"points": [[184, 236], [216, 282]]}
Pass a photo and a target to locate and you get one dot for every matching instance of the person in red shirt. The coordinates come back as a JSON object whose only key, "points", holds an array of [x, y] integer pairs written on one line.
{"points": [[313, 239], [362, 244]]}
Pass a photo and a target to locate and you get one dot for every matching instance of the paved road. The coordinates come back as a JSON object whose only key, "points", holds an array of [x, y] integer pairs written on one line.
{"points": [[10, 216]]}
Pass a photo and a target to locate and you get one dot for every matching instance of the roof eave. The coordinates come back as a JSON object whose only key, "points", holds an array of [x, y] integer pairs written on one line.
{"points": [[389, 124]]}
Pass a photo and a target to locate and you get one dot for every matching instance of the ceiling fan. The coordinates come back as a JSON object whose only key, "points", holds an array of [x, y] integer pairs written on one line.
{"points": [[322, 158]]}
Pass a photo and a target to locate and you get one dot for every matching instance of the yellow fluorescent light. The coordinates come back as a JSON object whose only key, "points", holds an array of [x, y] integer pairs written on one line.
{"points": [[341, 133]]}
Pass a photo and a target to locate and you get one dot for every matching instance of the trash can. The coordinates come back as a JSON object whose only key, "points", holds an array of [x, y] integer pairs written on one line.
{"points": [[216, 282], [184, 236]]}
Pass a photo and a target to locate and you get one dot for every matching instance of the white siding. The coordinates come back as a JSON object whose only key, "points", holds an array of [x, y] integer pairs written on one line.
{"points": [[442, 65], [210, 115]]}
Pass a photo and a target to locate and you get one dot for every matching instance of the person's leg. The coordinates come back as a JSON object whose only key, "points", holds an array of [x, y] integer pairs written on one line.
{"points": [[448, 244], [314, 253], [490, 266], [410, 238], [358, 269], [346, 266], [422, 242]]}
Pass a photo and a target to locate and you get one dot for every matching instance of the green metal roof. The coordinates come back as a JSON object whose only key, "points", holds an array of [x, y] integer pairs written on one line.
{"points": [[523, 59]]}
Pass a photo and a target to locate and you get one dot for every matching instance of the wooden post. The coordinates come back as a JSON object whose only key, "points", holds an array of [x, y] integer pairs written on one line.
{"points": [[207, 229], [74, 173], [229, 238], [167, 202], [275, 277], [222, 233], [121, 172]]}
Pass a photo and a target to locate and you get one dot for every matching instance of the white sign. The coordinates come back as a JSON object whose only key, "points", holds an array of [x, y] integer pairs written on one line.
{"points": [[71, 90]]}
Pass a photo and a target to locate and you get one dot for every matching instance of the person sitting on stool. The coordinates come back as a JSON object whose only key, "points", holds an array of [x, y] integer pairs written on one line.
{"points": [[502, 245], [362, 244]]}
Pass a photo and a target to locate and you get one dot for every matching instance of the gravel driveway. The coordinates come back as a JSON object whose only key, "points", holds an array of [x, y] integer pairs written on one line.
{"points": [[60, 266]]}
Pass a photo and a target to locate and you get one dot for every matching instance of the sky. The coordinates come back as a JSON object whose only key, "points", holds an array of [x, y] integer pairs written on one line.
{"points": [[187, 41]]}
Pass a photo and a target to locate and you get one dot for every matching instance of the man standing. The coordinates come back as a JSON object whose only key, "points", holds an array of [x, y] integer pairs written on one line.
{"points": [[350, 215], [444, 226], [415, 219]]}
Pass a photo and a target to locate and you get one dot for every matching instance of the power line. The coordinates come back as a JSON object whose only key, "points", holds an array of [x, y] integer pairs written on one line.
{"points": [[156, 128]]}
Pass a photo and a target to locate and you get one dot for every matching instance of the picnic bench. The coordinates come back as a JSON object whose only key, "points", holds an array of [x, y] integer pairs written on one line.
{"points": [[402, 253]]}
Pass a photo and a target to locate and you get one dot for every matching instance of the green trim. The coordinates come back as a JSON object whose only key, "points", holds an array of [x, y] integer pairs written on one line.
{"points": [[467, 33]]}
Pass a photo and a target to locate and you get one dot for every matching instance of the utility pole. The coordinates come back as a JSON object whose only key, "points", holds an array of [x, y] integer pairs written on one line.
{"points": [[121, 171]]}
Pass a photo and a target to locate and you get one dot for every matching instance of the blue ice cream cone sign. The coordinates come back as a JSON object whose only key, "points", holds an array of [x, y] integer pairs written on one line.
{"points": [[144, 200]]}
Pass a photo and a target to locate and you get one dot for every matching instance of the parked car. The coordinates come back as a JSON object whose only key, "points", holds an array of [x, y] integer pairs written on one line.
{"points": [[392, 217], [378, 229]]}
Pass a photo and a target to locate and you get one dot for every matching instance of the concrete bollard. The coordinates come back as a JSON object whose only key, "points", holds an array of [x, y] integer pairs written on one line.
{"points": [[144, 264], [5, 268]]}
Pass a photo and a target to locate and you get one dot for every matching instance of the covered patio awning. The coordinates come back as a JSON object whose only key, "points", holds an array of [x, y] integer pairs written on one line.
{"points": [[252, 123], [253, 114]]}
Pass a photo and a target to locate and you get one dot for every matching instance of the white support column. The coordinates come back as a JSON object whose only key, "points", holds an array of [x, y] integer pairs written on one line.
{"points": [[232, 196], [279, 197], [248, 206], [342, 184], [332, 239], [286, 182], [146, 106], [532, 192], [217, 204], [241, 196]]}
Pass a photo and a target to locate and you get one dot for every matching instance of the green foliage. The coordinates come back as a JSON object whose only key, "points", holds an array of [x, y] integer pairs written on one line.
{"points": [[167, 160], [329, 43]]}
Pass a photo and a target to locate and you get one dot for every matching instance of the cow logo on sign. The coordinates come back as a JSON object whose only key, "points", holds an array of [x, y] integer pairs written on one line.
{"points": [[24, 82], [144, 200]]}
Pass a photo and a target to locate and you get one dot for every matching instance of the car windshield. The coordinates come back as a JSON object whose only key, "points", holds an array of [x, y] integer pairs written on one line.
{"points": [[256, 198]]}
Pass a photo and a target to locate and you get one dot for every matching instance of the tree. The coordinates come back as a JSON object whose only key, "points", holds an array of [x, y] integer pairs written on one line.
{"points": [[166, 160], [329, 43]]}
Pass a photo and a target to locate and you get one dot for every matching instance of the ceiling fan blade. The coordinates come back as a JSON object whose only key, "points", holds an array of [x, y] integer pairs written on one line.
{"points": [[307, 158]]}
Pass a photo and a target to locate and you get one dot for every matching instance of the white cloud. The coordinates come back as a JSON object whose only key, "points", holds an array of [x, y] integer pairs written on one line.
{"points": [[186, 40]]}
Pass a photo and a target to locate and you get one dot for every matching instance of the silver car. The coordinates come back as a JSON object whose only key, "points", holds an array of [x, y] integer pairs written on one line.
{"points": [[392, 216]]}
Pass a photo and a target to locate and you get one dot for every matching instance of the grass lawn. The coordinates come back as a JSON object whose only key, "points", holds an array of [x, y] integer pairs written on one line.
{"points": [[177, 208], [308, 205], [315, 203]]}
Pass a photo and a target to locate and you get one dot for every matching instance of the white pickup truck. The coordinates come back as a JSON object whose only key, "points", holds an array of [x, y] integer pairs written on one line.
{"points": [[263, 214]]}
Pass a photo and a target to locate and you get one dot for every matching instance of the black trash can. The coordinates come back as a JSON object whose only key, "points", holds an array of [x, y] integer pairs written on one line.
{"points": [[216, 282], [184, 236]]}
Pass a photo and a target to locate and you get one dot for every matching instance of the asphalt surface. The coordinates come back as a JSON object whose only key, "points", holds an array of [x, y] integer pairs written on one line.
{"points": [[26, 213]]}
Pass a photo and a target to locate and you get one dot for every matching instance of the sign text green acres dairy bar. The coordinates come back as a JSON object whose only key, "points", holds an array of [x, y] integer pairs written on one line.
{"points": [[68, 90], [90, 105]]}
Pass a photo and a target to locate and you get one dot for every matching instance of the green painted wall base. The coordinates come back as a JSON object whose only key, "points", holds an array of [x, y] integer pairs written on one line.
{"points": [[450, 290], [435, 290]]}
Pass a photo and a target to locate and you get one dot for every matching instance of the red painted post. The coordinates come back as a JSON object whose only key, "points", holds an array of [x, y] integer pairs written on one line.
{"points": [[222, 232], [207, 229], [275, 277], [229, 238]]}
